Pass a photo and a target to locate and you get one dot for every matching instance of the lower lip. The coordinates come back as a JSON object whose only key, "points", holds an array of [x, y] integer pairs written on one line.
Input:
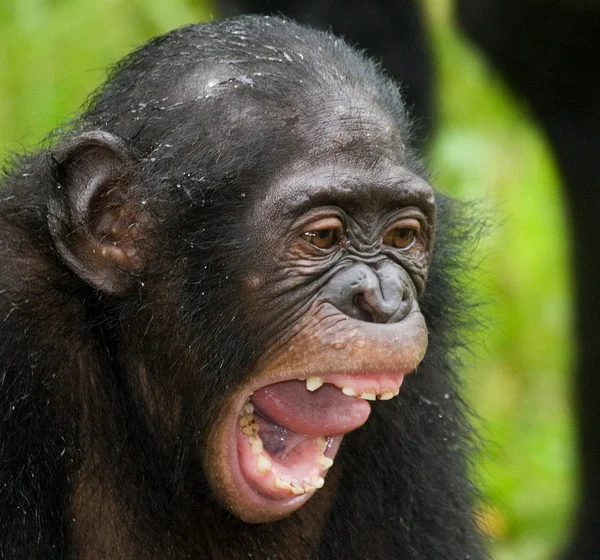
{"points": [[246, 501]]}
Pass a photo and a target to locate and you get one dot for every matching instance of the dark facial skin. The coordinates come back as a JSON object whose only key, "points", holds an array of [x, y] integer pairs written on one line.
{"points": [[344, 250], [330, 216], [346, 200]]}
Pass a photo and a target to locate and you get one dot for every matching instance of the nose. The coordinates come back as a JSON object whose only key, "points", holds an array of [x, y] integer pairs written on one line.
{"points": [[382, 294]]}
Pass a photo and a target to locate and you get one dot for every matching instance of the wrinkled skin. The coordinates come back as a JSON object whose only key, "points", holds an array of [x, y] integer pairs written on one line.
{"points": [[333, 301], [237, 210]]}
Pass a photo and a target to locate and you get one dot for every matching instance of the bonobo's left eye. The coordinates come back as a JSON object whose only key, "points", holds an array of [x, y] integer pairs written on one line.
{"points": [[403, 235], [325, 235]]}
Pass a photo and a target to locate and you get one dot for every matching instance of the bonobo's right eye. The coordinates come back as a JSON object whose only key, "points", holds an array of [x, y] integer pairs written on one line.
{"points": [[322, 238], [324, 234]]}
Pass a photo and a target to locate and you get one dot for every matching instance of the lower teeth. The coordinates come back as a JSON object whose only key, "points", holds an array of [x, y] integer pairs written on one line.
{"points": [[295, 487], [263, 465]]}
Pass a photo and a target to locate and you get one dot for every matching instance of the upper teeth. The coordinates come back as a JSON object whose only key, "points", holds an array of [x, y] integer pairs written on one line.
{"points": [[313, 383]]}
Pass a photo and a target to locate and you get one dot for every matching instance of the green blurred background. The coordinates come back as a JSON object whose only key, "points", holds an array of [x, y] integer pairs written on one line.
{"points": [[55, 52]]}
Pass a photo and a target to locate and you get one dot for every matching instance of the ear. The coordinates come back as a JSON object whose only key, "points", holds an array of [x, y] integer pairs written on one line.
{"points": [[94, 220]]}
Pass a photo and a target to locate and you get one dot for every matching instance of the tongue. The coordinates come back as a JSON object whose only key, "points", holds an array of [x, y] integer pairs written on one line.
{"points": [[324, 412]]}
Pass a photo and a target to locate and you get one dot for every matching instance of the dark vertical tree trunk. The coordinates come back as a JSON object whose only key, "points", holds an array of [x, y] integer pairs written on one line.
{"points": [[549, 52]]}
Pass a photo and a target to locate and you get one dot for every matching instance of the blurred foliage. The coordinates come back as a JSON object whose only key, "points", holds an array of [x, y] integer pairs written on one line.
{"points": [[487, 147], [54, 53]]}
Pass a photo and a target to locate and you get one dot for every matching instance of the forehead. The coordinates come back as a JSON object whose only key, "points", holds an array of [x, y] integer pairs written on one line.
{"points": [[357, 129], [295, 133], [326, 115], [350, 185]]}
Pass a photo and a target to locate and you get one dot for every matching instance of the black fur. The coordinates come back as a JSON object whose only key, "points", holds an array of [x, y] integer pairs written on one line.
{"points": [[66, 348]]}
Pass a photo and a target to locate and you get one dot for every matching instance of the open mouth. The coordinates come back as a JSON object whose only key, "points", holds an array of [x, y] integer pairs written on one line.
{"points": [[288, 433], [279, 433]]}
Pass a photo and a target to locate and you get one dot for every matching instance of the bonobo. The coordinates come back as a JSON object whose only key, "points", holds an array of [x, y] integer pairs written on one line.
{"points": [[213, 285]]}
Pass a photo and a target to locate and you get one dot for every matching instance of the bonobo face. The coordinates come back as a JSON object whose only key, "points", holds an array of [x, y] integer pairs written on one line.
{"points": [[339, 258]]}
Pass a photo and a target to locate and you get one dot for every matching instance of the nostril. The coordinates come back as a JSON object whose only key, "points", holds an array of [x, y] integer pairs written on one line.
{"points": [[366, 312], [375, 307], [369, 313], [406, 303]]}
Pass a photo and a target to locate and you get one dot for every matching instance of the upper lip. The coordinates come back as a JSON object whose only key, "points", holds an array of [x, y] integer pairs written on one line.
{"points": [[334, 343], [359, 381]]}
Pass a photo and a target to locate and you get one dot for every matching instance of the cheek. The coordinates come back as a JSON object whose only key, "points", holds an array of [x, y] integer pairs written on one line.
{"points": [[277, 294]]}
